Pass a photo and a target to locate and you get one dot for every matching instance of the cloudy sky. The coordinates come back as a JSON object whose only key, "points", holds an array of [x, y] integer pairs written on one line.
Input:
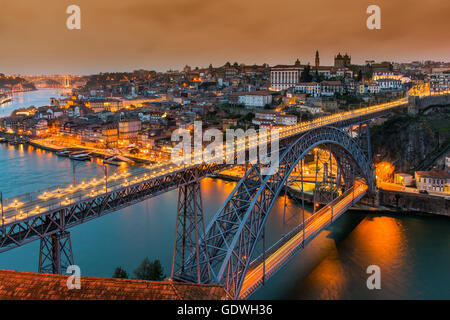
{"points": [[119, 35]]}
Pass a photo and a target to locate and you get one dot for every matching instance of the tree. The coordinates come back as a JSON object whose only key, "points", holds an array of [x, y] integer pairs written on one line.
{"points": [[120, 273], [152, 271], [360, 76], [306, 74], [249, 116]]}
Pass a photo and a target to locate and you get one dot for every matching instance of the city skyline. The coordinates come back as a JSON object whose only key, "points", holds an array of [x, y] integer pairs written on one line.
{"points": [[162, 36]]}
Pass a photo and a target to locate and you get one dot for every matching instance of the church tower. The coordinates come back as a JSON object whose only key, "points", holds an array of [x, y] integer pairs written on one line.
{"points": [[317, 59]]}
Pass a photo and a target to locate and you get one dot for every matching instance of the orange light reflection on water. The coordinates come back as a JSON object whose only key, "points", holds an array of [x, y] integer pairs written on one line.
{"points": [[377, 240], [381, 239], [211, 187]]}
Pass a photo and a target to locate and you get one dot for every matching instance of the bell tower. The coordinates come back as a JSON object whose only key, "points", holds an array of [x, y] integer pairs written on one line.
{"points": [[317, 59]]}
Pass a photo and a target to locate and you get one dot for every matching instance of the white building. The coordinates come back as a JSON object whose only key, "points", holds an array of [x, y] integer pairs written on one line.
{"points": [[325, 88], [286, 120], [41, 127], [310, 109], [386, 75], [389, 84], [341, 73], [371, 88], [433, 180], [440, 81], [311, 88], [255, 99], [283, 77], [273, 118], [403, 179]]}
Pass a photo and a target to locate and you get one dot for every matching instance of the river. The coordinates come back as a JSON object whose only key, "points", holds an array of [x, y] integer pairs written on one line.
{"points": [[412, 251], [36, 98]]}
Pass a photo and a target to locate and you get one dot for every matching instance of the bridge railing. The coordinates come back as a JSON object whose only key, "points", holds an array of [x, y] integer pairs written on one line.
{"points": [[297, 229], [37, 202]]}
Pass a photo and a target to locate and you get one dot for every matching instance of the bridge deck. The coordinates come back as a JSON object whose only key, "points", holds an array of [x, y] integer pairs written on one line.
{"points": [[32, 216], [35, 203], [283, 250]]}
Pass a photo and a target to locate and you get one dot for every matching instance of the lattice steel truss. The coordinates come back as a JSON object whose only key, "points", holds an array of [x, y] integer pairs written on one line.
{"points": [[232, 235], [25, 230], [189, 229], [55, 253]]}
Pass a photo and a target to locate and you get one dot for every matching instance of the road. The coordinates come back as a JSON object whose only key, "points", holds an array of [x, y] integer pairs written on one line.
{"points": [[313, 225]]}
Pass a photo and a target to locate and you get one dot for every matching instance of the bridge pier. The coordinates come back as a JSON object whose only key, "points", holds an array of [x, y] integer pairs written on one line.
{"points": [[55, 253], [190, 229]]}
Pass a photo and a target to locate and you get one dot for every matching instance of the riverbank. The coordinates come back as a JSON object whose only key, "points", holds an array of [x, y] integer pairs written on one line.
{"points": [[25, 99], [391, 202], [98, 153], [402, 202]]}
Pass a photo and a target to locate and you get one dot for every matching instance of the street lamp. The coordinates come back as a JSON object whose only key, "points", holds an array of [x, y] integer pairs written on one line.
{"points": [[105, 167]]}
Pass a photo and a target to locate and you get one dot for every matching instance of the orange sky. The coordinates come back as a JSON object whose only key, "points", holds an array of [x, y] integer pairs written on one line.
{"points": [[121, 35]]}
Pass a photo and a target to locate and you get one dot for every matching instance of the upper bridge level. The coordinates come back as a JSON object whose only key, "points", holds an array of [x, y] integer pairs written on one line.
{"points": [[38, 214]]}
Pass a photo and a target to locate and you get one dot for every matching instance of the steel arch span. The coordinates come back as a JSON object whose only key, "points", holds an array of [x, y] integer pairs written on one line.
{"points": [[232, 235]]}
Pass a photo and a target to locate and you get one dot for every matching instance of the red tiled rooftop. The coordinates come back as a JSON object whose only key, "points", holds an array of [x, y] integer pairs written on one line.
{"points": [[20, 285], [434, 174]]}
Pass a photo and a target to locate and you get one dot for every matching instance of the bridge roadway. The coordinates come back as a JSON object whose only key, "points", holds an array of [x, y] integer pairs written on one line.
{"points": [[31, 216], [281, 252]]}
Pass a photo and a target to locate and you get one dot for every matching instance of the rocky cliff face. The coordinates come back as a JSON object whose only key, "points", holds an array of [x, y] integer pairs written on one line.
{"points": [[410, 143]]}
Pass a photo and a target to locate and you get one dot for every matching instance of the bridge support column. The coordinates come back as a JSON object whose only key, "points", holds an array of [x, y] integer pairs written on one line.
{"points": [[369, 146], [190, 229], [55, 253]]}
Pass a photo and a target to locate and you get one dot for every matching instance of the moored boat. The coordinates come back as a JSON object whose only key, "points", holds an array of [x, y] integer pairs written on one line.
{"points": [[116, 160], [5, 100], [63, 153], [80, 156], [112, 161]]}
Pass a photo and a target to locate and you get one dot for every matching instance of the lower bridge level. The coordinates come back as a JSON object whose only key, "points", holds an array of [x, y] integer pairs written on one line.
{"points": [[281, 252]]}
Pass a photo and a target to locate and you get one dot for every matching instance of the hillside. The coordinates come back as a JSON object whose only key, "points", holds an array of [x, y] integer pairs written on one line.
{"points": [[412, 143]]}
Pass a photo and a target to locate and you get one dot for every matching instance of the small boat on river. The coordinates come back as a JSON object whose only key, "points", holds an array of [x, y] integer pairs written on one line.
{"points": [[63, 153], [80, 156], [5, 100], [116, 160]]}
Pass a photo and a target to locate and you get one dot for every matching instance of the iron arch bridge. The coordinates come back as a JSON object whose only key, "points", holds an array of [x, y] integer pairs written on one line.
{"points": [[224, 254]]}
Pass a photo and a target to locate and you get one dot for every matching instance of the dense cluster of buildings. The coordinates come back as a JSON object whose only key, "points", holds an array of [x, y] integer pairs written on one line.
{"points": [[140, 109], [440, 81], [341, 78]]}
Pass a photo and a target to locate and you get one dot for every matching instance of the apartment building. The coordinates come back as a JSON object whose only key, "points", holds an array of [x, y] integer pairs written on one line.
{"points": [[440, 81], [433, 180]]}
